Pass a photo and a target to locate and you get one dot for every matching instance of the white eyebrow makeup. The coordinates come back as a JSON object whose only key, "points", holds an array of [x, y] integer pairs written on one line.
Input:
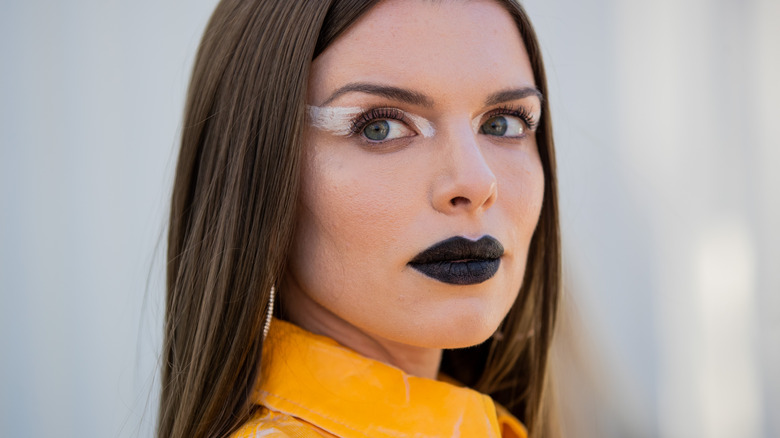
{"points": [[338, 120]]}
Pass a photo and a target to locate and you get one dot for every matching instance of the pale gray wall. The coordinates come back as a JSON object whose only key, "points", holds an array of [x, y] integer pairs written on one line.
{"points": [[90, 103], [665, 115]]}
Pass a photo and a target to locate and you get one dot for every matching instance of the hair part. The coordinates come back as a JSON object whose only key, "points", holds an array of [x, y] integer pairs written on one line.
{"points": [[234, 208]]}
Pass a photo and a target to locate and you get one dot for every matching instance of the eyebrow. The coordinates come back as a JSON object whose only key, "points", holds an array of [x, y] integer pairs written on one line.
{"points": [[513, 94], [390, 92], [420, 99]]}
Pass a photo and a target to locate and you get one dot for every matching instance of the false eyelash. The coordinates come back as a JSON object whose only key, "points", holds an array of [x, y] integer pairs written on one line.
{"points": [[520, 112], [366, 117]]}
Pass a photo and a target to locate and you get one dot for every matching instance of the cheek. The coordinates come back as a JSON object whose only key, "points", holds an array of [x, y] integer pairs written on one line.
{"points": [[521, 185], [343, 203], [532, 188], [352, 211], [521, 194]]}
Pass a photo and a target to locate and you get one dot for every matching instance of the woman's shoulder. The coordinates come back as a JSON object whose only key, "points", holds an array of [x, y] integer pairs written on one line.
{"points": [[271, 424]]}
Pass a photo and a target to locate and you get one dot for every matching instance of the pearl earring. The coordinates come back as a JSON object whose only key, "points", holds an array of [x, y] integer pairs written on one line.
{"points": [[270, 312]]}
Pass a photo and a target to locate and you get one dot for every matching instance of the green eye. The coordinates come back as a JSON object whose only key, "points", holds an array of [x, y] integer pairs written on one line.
{"points": [[495, 126], [385, 129], [377, 130], [503, 125]]}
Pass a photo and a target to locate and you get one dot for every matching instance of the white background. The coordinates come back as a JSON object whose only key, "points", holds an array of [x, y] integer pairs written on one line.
{"points": [[666, 117]]}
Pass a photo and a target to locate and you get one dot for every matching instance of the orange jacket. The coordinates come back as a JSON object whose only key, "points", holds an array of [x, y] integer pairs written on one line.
{"points": [[313, 387]]}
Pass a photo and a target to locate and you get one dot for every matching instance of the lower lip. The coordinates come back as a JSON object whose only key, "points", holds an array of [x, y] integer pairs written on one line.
{"points": [[460, 273]]}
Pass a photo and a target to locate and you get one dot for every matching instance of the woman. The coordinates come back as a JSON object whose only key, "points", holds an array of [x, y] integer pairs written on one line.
{"points": [[384, 172]]}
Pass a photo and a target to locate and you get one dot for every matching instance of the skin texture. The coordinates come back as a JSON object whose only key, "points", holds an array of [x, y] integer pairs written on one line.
{"points": [[368, 209]]}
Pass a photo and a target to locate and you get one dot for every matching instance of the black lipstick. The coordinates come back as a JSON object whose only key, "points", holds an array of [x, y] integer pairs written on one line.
{"points": [[458, 260]]}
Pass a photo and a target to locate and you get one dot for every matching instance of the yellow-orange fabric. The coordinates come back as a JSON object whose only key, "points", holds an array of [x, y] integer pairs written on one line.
{"points": [[313, 387]]}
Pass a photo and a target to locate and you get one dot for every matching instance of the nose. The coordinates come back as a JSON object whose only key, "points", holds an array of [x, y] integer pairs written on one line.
{"points": [[466, 182]]}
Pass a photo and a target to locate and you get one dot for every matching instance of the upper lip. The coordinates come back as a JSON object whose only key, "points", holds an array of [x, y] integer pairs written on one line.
{"points": [[458, 249]]}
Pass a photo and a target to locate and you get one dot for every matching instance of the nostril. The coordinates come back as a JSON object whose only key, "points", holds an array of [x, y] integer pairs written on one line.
{"points": [[459, 200]]}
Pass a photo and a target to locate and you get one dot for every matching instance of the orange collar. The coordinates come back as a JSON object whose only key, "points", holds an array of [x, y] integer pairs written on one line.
{"points": [[315, 379]]}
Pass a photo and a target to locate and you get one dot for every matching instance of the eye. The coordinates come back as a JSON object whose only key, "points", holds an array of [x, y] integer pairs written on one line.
{"points": [[386, 129], [508, 122], [383, 124], [503, 125]]}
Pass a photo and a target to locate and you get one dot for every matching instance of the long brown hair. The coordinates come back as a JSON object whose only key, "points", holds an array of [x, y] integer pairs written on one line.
{"points": [[233, 213]]}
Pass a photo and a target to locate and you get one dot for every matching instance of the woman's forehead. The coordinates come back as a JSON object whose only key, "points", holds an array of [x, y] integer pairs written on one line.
{"points": [[451, 51]]}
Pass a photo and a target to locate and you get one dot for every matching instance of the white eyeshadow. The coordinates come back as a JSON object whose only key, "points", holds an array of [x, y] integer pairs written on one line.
{"points": [[475, 123], [423, 125], [338, 120]]}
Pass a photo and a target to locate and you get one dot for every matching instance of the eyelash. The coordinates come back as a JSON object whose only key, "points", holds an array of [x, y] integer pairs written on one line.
{"points": [[520, 112], [363, 119]]}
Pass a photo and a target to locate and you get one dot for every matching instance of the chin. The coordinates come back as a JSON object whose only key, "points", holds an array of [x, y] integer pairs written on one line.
{"points": [[455, 331], [466, 317], [467, 337]]}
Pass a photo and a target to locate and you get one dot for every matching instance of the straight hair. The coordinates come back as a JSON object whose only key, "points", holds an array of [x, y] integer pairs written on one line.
{"points": [[234, 209]]}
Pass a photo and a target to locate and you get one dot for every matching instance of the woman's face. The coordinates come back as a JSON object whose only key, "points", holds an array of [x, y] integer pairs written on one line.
{"points": [[421, 132]]}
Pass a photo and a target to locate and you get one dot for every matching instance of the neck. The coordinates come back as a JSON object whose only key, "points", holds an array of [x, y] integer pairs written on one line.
{"points": [[413, 360]]}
